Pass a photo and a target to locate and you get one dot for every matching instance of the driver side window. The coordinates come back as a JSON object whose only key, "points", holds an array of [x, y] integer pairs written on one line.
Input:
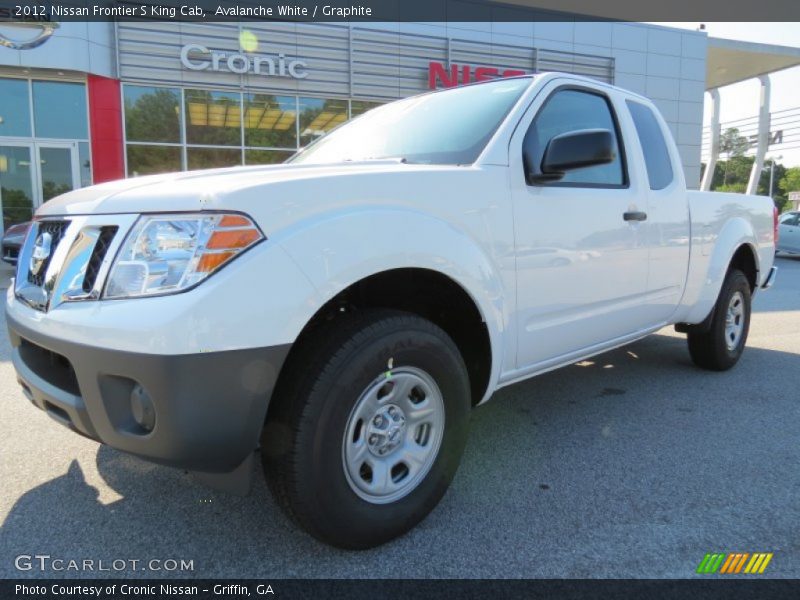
{"points": [[573, 110]]}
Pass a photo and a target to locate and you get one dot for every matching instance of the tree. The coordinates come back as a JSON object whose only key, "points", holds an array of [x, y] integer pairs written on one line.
{"points": [[778, 195], [732, 175], [737, 188], [734, 171], [733, 143], [790, 182], [153, 116], [17, 207]]}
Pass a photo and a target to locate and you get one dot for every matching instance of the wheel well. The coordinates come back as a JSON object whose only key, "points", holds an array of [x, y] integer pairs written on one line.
{"points": [[744, 259], [429, 294]]}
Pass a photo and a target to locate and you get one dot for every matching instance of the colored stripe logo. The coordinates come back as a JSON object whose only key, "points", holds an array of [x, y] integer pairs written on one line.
{"points": [[734, 563]]}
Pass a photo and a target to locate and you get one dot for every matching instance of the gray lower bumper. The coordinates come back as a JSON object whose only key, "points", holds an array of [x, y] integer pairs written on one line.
{"points": [[208, 409]]}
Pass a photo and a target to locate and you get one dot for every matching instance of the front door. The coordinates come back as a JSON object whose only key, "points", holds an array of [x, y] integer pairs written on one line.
{"points": [[58, 169], [581, 266], [32, 173]]}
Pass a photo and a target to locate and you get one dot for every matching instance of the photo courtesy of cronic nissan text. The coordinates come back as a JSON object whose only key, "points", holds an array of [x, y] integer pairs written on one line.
{"points": [[389, 300]]}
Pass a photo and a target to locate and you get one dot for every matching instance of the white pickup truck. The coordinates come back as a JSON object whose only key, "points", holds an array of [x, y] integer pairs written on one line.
{"points": [[344, 312]]}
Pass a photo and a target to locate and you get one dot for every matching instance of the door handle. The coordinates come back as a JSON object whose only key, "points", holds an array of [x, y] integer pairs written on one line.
{"points": [[635, 215]]}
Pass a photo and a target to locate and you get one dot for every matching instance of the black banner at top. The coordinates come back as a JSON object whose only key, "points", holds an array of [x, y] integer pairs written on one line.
{"points": [[399, 10]]}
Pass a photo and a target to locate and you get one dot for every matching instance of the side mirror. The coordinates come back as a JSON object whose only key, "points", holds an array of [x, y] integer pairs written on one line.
{"points": [[573, 150]]}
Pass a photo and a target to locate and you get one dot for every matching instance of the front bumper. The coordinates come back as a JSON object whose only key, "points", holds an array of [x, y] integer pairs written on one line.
{"points": [[208, 409]]}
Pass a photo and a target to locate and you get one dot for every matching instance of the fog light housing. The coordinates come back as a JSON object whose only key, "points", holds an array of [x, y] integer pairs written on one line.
{"points": [[142, 409]]}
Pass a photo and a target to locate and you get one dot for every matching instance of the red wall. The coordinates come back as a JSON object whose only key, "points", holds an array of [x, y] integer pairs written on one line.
{"points": [[105, 123]]}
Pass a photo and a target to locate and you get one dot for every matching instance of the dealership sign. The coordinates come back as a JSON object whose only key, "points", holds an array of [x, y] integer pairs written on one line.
{"points": [[774, 138], [197, 57], [34, 34], [457, 74]]}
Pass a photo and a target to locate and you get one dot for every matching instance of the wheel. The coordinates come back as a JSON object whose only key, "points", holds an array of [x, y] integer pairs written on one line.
{"points": [[719, 348], [367, 427]]}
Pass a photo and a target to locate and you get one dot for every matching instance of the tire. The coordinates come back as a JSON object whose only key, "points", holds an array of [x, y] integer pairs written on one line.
{"points": [[719, 348], [321, 425]]}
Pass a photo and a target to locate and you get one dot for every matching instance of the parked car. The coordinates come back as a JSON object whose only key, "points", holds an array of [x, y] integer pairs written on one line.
{"points": [[789, 233], [344, 312], [12, 241]]}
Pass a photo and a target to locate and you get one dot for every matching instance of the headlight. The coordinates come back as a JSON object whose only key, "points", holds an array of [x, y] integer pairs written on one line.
{"points": [[164, 254]]}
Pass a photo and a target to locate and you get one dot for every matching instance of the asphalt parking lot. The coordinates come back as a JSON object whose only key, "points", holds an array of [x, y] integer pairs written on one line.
{"points": [[634, 464]]}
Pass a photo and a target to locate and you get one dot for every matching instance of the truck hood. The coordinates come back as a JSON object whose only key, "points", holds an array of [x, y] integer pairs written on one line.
{"points": [[201, 190]]}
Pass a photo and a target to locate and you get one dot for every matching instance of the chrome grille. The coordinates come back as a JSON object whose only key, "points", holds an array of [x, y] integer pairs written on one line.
{"points": [[98, 254], [56, 229], [77, 260]]}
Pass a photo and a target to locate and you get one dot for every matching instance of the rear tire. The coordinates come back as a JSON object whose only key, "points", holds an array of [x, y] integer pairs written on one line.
{"points": [[719, 348], [367, 427]]}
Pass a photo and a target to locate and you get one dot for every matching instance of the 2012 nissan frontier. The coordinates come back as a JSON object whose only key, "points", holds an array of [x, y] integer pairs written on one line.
{"points": [[343, 312]]}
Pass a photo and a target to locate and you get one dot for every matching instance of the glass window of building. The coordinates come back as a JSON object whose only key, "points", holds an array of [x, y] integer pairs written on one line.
{"points": [[266, 157], [359, 107], [16, 184], [55, 171], [152, 114], [213, 118], [318, 116], [212, 158], [59, 110], [148, 160], [15, 116], [209, 129], [270, 121]]}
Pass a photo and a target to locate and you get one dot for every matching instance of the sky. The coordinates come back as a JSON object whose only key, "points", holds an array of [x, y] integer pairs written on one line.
{"points": [[741, 99]]}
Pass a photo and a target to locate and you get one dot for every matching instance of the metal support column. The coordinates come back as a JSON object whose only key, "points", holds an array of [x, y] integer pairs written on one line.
{"points": [[763, 135], [708, 175], [350, 60]]}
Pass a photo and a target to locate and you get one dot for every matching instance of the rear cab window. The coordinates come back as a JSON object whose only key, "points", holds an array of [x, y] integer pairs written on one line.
{"points": [[654, 146]]}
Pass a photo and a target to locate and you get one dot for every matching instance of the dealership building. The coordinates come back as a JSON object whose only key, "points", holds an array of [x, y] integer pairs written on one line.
{"points": [[86, 102]]}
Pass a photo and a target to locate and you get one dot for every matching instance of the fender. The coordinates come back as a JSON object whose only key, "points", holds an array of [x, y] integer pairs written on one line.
{"points": [[369, 240], [736, 232]]}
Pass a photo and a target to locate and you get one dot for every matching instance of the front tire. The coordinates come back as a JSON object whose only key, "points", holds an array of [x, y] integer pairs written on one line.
{"points": [[719, 348], [367, 427]]}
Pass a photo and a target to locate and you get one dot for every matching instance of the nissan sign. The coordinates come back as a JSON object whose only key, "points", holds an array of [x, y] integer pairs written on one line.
{"points": [[460, 74], [26, 35], [197, 57]]}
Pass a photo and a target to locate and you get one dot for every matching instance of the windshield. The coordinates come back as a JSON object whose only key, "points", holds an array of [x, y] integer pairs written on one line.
{"points": [[450, 127]]}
